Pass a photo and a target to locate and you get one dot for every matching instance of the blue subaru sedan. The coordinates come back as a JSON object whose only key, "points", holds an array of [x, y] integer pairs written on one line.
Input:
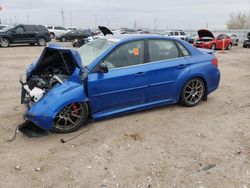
{"points": [[115, 75]]}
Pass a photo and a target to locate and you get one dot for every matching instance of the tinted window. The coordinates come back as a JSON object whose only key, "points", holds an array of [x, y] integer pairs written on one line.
{"points": [[49, 27], [41, 28], [176, 33], [19, 30], [29, 28], [60, 28], [171, 33], [162, 49], [183, 49], [182, 33], [126, 55]]}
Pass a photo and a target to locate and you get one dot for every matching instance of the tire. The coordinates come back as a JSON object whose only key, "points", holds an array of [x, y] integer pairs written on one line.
{"points": [[229, 47], [41, 41], [4, 42], [52, 35], [213, 47], [71, 118], [192, 92], [63, 39]]}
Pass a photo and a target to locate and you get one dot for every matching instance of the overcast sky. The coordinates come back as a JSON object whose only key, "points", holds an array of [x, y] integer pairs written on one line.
{"points": [[165, 14]]}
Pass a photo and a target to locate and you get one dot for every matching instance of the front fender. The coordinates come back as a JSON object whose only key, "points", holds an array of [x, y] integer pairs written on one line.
{"points": [[44, 111]]}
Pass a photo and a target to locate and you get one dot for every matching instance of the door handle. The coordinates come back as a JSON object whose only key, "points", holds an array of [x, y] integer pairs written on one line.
{"points": [[140, 73], [182, 65]]}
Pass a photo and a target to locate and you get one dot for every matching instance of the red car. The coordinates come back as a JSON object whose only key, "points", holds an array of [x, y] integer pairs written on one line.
{"points": [[208, 40]]}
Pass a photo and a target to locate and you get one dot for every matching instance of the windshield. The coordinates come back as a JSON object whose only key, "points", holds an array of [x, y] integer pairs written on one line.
{"points": [[90, 51], [7, 28]]}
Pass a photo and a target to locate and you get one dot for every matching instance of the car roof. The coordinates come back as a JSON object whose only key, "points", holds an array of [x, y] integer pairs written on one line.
{"points": [[128, 37]]}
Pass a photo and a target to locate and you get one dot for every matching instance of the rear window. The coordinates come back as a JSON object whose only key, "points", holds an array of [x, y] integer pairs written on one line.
{"points": [[162, 50], [42, 29], [183, 49]]}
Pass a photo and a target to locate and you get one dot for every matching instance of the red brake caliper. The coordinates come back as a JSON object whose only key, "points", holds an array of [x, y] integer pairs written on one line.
{"points": [[75, 107]]}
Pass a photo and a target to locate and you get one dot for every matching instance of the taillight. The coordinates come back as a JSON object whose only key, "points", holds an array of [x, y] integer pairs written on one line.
{"points": [[215, 62]]}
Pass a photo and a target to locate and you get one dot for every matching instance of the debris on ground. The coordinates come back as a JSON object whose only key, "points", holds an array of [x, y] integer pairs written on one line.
{"points": [[208, 167]]}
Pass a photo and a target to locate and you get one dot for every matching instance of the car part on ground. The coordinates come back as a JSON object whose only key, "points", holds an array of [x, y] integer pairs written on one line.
{"points": [[60, 93], [21, 34]]}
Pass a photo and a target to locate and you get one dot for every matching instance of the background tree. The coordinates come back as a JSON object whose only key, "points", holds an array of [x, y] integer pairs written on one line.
{"points": [[238, 21]]}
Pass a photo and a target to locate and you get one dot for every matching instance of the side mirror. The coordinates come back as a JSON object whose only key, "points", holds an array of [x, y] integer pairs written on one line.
{"points": [[103, 67]]}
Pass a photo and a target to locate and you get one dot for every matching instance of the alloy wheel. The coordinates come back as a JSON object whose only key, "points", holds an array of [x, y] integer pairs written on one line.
{"points": [[193, 91], [69, 117], [4, 42]]}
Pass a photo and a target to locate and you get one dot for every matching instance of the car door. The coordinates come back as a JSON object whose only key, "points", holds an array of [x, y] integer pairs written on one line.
{"points": [[219, 41], [17, 34], [166, 65], [30, 33], [124, 84]]}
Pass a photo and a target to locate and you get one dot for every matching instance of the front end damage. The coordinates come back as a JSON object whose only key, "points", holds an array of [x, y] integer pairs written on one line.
{"points": [[53, 82]]}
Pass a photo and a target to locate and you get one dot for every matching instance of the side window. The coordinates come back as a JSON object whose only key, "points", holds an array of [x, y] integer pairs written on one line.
{"points": [[183, 49], [29, 28], [126, 55], [162, 49], [220, 37], [176, 33], [19, 30], [49, 27], [171, 33]]}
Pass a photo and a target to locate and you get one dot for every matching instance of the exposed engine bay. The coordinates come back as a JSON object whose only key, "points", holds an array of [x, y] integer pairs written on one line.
{"points": [[54, 67]]}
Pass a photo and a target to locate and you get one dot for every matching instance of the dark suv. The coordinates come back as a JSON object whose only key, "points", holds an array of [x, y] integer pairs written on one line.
{"points": [[17, 34], [246, 43]]}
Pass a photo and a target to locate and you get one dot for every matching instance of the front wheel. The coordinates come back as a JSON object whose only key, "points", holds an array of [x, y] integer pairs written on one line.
{"points": [[71, 118], [4, 42], [193, 92], [63, 39]]}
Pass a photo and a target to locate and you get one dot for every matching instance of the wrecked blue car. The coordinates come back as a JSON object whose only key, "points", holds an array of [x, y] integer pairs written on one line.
{"points": [[115, 75]]}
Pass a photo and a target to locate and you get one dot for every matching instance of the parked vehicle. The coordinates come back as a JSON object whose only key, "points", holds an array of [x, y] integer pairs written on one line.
{"points": [[115, 75], [246, 43], [177, 34], [19, 34], [73, 35], [2, 26], [208, 40], [57, 30], [192, 37], [92, 36], [235, 39], [72, 28]]}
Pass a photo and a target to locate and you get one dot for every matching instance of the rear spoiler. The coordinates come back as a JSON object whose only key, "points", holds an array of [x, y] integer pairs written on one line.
{"points": [[208, 51]]}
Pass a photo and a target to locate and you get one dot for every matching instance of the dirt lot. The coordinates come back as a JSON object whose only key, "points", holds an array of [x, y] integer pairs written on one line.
{"points": [[172, 146]]}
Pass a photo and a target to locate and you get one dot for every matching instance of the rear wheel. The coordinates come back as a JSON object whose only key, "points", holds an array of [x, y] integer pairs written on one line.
{"points": [[229, 46], [52, 35], [71, 118], [41, 41], [63, 39], [213, 47], [193, 92], [4, 42]]}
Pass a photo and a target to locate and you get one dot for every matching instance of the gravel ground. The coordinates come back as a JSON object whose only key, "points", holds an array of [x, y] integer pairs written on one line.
{"points": [[173, 146]]}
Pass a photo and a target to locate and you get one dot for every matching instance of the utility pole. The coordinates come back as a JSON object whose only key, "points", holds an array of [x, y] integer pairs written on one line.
{"points": [[70, 13], [95, 21], [62, 14], [155, 24], [1, 8], [28, 19]]}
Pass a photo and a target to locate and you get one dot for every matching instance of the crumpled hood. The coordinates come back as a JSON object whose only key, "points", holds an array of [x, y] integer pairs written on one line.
{"points": [[75, 54], [205, 33]]}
